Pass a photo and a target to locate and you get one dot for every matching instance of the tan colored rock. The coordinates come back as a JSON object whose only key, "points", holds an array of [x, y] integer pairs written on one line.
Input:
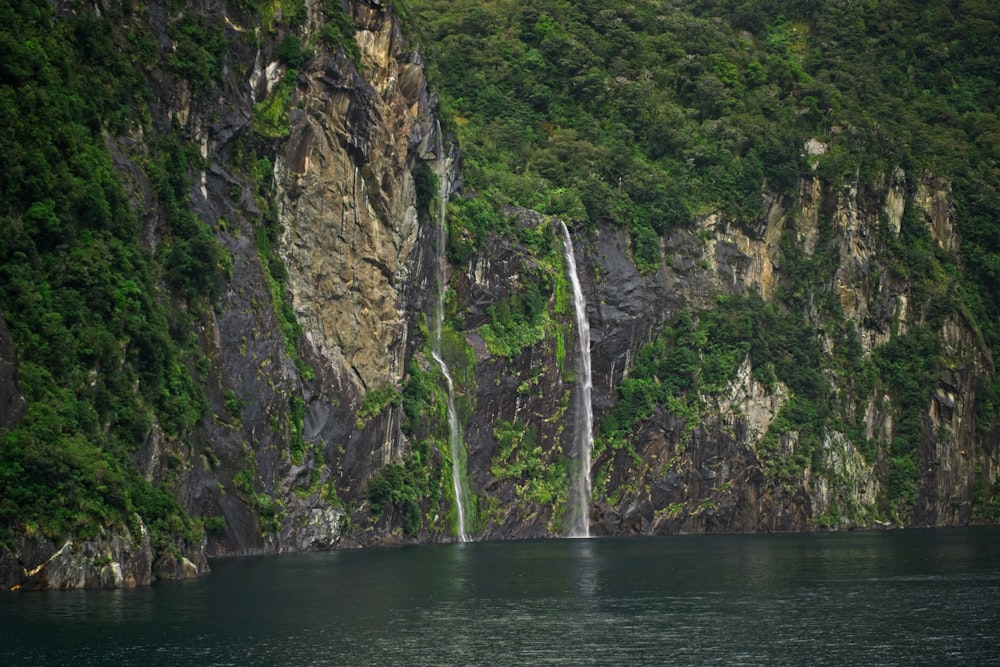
{"points": [[807, 220], [895, 200], [933, 198], [348, 201], [742, 261], [752, 401]]}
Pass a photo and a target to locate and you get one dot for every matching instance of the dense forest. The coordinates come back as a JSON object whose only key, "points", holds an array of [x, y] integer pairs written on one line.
{"points": [[642, 117], [101, 349], [646, 114]]}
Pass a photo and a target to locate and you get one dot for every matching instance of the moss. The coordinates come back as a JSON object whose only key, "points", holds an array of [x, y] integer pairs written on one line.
{"points": [[539, 478], [375, 401], [270, 116]]}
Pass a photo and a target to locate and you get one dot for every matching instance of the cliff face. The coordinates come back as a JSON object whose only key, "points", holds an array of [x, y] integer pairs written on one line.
{"points": [[324, 423], [357, 262], [717, 473], [717, 465]]}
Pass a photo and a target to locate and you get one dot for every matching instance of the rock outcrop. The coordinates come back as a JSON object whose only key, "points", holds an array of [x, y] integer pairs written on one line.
{"points": [[118, 558]]}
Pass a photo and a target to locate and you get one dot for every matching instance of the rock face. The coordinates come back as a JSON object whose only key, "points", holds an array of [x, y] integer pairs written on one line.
{"points": [[710, 476], [300, 425], [114, 560]]}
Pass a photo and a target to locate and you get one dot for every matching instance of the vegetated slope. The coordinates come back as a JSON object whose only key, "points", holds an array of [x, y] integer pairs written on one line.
{"points": [[648, 113], [841, 155], [101, 352]]}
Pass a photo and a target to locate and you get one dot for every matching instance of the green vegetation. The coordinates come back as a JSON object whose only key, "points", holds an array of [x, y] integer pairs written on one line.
{"points": [[525, 316], [375, 401], [986, 500], [416, 398], [539, 477], [201, 45], [270, 116], [699, 354], [191, 257], [640, 115], [270, 511], [338, 31], [77, 292], [407, 486], [909, 366], [469, 223], [291, 52], [646, 114]]}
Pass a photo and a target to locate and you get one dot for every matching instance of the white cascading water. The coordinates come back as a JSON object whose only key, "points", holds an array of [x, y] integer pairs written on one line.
{"points": [[583, 437], [454, 429]]}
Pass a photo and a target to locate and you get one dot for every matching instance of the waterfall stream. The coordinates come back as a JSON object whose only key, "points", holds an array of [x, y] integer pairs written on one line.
{"points": [[583, 435], [455, 448]]}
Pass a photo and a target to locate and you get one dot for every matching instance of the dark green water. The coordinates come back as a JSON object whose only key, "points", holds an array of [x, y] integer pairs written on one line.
{"points": [[923, 597]]}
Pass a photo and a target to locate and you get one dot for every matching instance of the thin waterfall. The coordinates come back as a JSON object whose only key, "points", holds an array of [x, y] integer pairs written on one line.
{"points": [[454, 429], [583, 437]]}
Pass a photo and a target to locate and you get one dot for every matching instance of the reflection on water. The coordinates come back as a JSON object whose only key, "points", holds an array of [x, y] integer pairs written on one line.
{"points": [[927, 597]]}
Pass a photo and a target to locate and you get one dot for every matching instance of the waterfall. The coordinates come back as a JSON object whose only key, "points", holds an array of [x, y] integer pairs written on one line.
{"points": [[454, 429], [583, 436]]}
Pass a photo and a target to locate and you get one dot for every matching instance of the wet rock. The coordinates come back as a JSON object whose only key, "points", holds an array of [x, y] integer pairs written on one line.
{"points": [[115, 559]]}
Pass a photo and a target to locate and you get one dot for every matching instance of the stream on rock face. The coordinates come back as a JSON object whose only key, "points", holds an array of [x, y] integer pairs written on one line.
{"points": [[455, 448], [920, 596], [583, 437]]}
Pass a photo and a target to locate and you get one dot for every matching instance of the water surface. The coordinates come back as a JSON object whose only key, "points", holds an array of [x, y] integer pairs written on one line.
{"points": [[879, 598]]}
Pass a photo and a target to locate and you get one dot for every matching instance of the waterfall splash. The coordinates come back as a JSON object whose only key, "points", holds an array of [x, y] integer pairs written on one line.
{"points": [[454, 429], [583, 438]]}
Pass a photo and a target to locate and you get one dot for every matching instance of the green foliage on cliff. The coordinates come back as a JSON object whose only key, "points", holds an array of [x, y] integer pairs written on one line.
{"points": [[375, 401], [191, 256], [525, 315], [338, 31], [699, 353], [539, 477], [470, 222], [407, 486], [270, 118], [647, 114], [269, 510], [200, 45], [100, 353]]}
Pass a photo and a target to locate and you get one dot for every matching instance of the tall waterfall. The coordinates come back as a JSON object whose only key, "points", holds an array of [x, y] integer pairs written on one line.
{"points": [[454, 429], [583, 436]]}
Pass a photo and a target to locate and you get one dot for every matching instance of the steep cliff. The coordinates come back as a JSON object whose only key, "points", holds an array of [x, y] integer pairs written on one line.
{"points": [[260, 262], [297, 188], [734, 457]]}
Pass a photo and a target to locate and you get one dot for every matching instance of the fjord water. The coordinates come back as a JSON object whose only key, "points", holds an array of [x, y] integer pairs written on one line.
{"points": [[880, 598]]}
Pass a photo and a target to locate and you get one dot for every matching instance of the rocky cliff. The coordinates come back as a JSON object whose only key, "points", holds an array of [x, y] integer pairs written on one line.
{"points": [[716, 468], [749, 382]]}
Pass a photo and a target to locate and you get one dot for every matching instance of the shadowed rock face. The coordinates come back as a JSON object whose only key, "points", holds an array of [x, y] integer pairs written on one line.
{"points": [[115, 559]]}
